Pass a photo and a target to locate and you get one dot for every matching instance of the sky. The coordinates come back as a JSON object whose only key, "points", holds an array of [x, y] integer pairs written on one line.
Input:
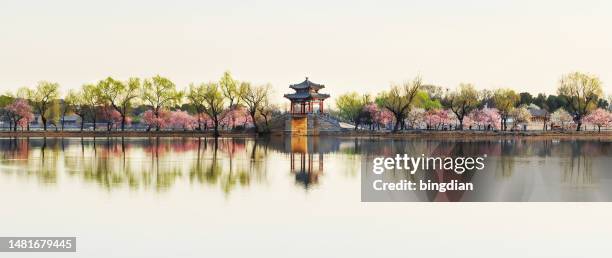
{"points": [[362, 46]]}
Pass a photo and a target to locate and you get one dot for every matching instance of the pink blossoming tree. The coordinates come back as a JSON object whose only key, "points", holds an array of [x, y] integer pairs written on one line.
{"points": [[20, 113], [600, 117]]}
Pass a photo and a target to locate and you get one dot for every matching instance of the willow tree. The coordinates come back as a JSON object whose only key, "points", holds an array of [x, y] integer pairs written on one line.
{"points": [[119, 95], [505, 101], [91, 100], [398, 100], [462, 101], [214, 104], [43, 98], [351, 105], [77, 104], [230, 89], [195, 96], [582, 91], [254, 97], [160, 93]]}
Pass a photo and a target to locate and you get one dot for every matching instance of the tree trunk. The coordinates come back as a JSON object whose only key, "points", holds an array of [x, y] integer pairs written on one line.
{"points": [[254, 122], [216, 133], [578, 126], [44, 122], [122, 123]]}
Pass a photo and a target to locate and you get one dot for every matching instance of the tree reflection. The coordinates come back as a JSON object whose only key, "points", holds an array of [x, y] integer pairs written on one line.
{"points": [[228, 164]]}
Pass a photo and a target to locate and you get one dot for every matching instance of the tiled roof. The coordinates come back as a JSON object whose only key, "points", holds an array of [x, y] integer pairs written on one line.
{"points": [[306, 84], [307, 95]]}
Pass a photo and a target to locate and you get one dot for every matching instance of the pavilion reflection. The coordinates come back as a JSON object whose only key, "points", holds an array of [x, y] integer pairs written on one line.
{"points": [[309, 165], [233, 163]]}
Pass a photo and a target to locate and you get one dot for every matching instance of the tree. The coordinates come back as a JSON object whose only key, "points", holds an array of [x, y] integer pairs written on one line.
{"points": [[230, 89], [214, 104], [485, 118], [253, 97], [350, 106], [43, 98], [195, 96], [462, 101], [416, 118], [437, 119], [182, 119], [525, 98], [160, 93], [505, 100], [398, 100], [267, 110], [19, 113], [540, 101], [520, 116], [423, 100], [66, 108], [582, 91], [91, 99], [560, 116], [159, 120], [77, 104], [112, 117], [600, 117], [119, 95]]}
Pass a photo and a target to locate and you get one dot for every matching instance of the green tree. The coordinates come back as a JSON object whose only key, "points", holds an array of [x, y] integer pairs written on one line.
{"points": [[582, 91], [462, 101], [91, 99], [119, 95], [398, 100], [525, 99], [505, 101], [66, 109], [77, 104], [350, 106], [254, 97], [160, 93], [423, 100], [230, 89], [43, 99], [195, 96], [214, 104]]}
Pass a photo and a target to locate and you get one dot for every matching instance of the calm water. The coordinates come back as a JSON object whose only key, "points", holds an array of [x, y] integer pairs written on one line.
{"points": [[279, 197]]}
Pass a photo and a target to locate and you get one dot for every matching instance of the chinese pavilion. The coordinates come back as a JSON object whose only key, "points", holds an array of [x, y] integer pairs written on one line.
{"points": [[305, 98]]}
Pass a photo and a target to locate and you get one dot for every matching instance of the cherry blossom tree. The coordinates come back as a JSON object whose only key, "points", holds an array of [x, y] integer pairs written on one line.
{"points": [[156, 121], [561, 117], [416, 118], [520, 116], [600, 117], [20, 113], [182, 119], [236, 116], [112, 117], [485, 118], [437, 118]]}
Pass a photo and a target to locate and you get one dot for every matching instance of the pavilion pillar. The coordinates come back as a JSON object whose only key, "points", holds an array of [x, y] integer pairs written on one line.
{"points": [[320, 106]]}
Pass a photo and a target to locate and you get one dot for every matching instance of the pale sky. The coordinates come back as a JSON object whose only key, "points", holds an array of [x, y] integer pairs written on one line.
{"points": [[346, 45]]}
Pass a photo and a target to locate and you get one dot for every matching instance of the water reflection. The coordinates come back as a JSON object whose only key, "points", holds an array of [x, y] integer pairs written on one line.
{"points": [[236, 163]]}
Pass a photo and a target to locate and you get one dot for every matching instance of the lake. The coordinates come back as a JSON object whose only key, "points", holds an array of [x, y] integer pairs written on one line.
{"points": [[301, 197]]}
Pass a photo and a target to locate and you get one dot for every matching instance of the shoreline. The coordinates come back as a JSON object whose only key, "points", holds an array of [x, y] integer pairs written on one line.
{"points": [[344, 134]]}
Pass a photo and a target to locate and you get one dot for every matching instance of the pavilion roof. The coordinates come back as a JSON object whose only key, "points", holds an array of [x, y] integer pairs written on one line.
{"points": [[306, 84], [306, 96]]}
